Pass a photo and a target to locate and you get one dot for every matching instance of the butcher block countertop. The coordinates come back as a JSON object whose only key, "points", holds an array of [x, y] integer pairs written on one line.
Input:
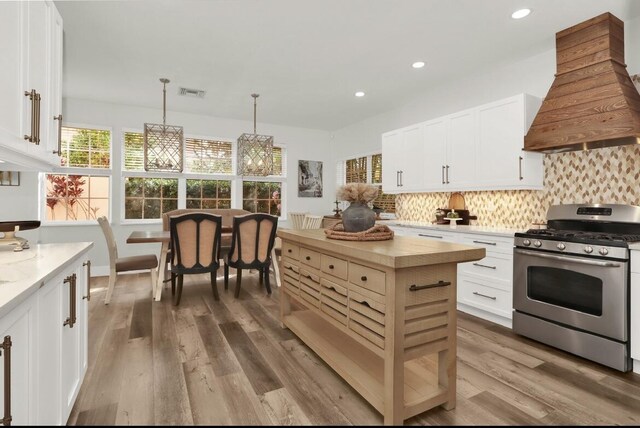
{"points": [[399, 252]]}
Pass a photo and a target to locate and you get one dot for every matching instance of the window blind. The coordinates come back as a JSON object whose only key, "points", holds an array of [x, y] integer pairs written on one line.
{"points": [[376, 168], [133, 151], [356, 170], [208, 156]]}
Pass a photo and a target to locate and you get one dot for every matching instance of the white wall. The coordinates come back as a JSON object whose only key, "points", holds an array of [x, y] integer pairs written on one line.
{"points": [[532, 75], [306, 144]]}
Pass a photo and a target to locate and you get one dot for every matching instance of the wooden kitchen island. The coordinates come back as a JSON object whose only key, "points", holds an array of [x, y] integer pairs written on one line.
{"points": [[381, 314]]}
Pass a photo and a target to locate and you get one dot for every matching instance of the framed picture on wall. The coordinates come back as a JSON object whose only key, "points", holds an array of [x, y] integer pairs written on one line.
{"points": [[309, 179]]}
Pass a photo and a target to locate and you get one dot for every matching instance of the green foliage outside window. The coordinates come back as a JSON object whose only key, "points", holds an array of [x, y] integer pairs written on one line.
{"points": [[86, 148], [262, 197], [146, 198], [208, 194]]}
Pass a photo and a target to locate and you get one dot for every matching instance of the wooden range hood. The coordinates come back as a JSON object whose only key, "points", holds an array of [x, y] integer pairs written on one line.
{"points": [[592, 102]]}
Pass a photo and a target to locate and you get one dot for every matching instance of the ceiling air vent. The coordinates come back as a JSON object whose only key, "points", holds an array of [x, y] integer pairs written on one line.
{"points": [[195, 93]]}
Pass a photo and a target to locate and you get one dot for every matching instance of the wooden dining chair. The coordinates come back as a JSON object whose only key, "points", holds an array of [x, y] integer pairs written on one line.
{"points": [[195, 243], [125, 264], [252, 240]]}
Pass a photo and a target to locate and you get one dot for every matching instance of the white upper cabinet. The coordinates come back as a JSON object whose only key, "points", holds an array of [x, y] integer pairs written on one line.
{"points": [[475, 149], [30, 82], [501, 161]]}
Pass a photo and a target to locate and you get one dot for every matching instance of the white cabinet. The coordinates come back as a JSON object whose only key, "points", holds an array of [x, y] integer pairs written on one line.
{"points": [[48, 354], [30, 82], [475, 149], [635, 312], [403, 153], [18, 372], [501, 162]]}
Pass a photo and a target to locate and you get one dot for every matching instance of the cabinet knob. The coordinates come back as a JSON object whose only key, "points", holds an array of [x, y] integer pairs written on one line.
{"points": [[308, 257], [330, 266], [363, 278], [289, 250]]}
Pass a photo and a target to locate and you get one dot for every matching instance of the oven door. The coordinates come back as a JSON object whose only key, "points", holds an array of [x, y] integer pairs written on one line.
{"points": [[589, 294]]}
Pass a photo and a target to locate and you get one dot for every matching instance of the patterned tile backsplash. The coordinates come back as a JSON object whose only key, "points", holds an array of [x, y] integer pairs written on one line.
{"points": [[610, 175]]}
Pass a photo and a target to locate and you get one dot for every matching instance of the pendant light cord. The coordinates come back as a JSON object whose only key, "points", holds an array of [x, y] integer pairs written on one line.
{"points": [[164, 103], [255, 99]]}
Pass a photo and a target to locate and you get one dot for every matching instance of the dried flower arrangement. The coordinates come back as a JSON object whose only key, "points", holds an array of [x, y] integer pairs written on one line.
{"points": [[357, 192]]}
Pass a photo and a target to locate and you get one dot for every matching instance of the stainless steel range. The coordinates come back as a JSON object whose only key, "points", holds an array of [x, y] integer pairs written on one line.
{"points": [[571, 281]]}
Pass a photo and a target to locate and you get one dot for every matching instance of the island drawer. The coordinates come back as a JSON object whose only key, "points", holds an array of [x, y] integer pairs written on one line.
{"points": [[366, 277], [480, 294], [290, 250], [310, 257], [333, 301], [367, 333], [292, 286], [310, 287], [290, 270], [334, 292], [334, 266]]}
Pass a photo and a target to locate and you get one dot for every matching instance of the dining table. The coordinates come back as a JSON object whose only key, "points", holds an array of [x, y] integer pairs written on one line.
{"points": [[162, 237]]}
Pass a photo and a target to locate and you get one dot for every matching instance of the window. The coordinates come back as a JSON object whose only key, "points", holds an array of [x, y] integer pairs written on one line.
{"points": [[262, 197], [208, 156], [356, 170], [76, 197], [85, 148], [133, 152], [149, 198], [366, 169], [278, 161], [208, 193]]}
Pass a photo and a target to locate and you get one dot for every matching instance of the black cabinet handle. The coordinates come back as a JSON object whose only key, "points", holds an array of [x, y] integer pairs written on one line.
{"points": [[415, 287]]}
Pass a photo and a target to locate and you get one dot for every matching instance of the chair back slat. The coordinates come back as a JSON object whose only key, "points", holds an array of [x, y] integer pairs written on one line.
{"points": [[312, 221], [297, 220], [111, 241]]}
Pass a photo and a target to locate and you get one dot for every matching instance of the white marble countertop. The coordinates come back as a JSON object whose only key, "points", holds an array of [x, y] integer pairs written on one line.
{"points": [[22, 273], [481, 230]]}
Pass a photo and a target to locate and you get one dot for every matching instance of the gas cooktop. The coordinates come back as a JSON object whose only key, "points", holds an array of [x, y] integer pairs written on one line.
{"points": [[582, 236]]}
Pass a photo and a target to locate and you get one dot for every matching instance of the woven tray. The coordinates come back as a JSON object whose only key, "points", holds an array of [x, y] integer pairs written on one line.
{"points": [[376, 233]]}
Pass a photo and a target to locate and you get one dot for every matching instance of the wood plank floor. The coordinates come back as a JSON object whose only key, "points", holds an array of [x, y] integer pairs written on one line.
{"points": [[230, 362]]}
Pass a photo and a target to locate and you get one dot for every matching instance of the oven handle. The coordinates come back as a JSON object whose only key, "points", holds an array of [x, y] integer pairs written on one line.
{"points": [[567, 259]]}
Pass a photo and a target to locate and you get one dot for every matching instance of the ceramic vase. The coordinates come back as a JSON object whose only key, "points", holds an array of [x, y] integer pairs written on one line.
{"points": [[358, 217]]}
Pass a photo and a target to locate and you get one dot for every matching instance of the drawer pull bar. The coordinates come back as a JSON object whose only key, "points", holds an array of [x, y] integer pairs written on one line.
{"points": [[424, 287], [430, 236], [484, 295], [485, 242], [330, 266], [484, 266]]}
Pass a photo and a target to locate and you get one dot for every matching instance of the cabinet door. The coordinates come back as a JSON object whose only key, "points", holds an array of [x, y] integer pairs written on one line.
{"points": [[12, 43], [49, 338], [18, 327], [83, 284], [461, 150], [54, 120], [391, 155], [635, 316], [412, 156], [70, 344], [434, 159], [501, 139]]}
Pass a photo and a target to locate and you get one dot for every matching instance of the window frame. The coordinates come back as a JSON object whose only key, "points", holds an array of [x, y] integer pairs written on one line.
{"points": [[78, 125]]}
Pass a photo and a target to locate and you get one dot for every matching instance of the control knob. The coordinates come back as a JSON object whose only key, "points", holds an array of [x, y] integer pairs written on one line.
{"points": [[603, 251], [561, 246], [526, 242], [537, 243], [588, 249]]}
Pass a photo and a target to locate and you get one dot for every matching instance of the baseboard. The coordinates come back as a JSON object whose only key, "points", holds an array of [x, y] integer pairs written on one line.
{"points": [[506, 322]]}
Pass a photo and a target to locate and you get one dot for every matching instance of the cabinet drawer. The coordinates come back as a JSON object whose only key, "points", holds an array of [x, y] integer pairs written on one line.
{"points": [[292, 287], [482, 296], [366, 333], [290, 270], [490, 243], [334, 291], [366, 307], [310, 257], [329, 309], [435, 235], [495, 266], [635, 261], [334, 266], [290, 250], [367, 277]]}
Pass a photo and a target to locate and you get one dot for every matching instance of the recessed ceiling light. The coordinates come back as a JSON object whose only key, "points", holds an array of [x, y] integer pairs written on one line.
{"points": [[418, 64], [359, 94], [519, 14]]}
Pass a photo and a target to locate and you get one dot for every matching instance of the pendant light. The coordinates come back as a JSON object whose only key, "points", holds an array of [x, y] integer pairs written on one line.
{"points": [[255, 151], [163, 144]]}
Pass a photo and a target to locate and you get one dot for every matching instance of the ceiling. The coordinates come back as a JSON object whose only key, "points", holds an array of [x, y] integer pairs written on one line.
{"points": [[305, 58]]}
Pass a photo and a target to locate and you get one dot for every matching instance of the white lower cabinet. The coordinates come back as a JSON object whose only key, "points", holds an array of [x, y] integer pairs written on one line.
{"points": [[49, 347], [485, 287], [635, 313]]}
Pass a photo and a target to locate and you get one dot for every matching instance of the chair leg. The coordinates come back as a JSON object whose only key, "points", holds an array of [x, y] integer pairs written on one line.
{"points": [[173, 283], [267, 283], [226, 275], [260, 276], [176, 298], [238, 282], [154, 281], [214, 286], [111, 286]]}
